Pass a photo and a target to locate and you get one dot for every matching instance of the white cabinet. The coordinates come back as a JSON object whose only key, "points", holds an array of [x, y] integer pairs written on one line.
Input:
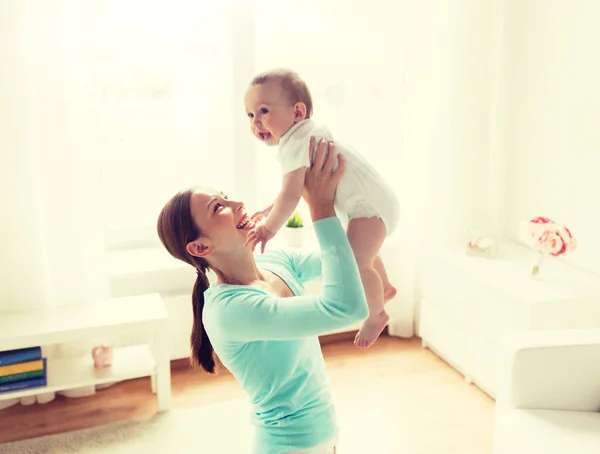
{"points": [[469, 304]]}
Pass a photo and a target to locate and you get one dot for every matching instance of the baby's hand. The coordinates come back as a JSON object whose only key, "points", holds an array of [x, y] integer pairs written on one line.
{"points": [[256, 217], [259, 234]]}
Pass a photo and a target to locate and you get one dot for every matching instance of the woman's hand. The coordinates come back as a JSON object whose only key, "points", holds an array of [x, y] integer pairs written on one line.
{"points": [[321, 181]]}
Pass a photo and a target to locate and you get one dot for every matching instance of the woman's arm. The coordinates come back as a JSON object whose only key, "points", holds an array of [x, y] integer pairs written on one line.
{"points": [[248, 313], [306, 266], [251, 314]]}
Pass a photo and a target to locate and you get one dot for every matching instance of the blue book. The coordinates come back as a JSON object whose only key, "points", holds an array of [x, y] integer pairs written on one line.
{"points": [[21, 355], [23, 384]]}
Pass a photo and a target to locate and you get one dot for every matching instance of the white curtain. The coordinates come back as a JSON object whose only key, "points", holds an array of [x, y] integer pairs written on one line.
{"points": [[51, 236], [451, 171]]}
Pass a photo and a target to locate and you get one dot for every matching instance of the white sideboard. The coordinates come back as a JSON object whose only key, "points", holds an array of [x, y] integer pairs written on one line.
{"points": [[142, 314], [470, 304]]}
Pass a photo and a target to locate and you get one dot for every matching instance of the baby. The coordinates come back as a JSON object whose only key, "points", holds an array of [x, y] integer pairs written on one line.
{"points": [[279, 106]]}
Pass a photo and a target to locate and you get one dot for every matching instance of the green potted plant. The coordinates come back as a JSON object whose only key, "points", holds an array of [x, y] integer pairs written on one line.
{"points": [[294, 230], [295, 221]]}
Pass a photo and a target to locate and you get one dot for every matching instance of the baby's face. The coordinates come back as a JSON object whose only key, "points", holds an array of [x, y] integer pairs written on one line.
{"points": [[270, 113]]}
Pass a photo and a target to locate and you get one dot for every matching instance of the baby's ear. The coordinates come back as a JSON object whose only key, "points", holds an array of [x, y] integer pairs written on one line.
{"points": [[299, 111]]}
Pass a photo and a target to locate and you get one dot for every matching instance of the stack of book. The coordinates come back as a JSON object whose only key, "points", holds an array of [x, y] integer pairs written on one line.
{"points": [[21, 369]]}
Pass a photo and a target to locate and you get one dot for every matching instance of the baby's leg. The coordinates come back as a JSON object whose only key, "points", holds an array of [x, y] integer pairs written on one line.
{"points": [[389, 291], [366, 235]]}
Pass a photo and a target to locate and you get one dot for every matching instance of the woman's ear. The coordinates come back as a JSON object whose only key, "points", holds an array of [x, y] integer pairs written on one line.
{"points": [[199, 248], [299, 111]]}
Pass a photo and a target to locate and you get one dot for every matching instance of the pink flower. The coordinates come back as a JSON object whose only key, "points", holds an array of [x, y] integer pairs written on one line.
{"points": [[547, 237], [541, 220], [554, 239]]}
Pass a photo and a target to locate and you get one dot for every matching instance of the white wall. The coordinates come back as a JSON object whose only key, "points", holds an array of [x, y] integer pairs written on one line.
{"points": [[552, 101]]}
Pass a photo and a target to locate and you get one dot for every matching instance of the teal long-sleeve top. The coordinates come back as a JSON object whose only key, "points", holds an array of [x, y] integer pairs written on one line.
{"points": [[270, 344]]}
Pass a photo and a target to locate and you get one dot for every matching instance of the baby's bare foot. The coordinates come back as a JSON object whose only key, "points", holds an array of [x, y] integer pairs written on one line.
{"points": [[371, 329]]}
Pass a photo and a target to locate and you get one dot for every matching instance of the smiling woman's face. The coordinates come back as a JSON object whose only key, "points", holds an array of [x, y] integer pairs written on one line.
{"points": [[223, 222]]}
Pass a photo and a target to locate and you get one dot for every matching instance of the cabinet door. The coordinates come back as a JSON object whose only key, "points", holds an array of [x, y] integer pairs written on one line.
{"points": [[484, 360], [445, 332]]}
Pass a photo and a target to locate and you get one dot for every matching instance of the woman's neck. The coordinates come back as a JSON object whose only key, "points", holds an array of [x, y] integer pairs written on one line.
{"points": [[236, 269]]}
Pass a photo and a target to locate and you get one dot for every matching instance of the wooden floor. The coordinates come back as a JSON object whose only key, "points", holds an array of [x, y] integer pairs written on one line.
{"points": [[404, 361]]}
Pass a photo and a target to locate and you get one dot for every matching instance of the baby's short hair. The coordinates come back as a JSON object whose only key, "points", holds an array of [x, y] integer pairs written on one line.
{"points": [[294, 87]]}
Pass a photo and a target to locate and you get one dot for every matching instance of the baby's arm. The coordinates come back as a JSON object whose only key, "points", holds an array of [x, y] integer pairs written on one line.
{"points": [[259, 215], [287, 200], [294, 165], [295, 160]]}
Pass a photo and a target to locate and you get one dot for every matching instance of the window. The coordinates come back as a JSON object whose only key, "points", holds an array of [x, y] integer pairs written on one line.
{"points": [[163, 78], [168, 86]]}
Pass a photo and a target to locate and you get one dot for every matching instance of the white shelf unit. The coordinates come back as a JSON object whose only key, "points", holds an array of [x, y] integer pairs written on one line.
{"points": [[77, 371], [144, 313]]}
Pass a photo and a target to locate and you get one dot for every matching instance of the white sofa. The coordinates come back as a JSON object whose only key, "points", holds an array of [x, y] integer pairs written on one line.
{"points": [[548, 398]]}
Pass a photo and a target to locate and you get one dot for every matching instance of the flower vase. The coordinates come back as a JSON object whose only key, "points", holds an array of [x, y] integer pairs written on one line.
{"points": [[535, 269], [294, 236]]}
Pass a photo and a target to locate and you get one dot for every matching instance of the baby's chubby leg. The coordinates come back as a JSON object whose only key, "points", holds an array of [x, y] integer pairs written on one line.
{"points": [[366, 235], [389, 291]]}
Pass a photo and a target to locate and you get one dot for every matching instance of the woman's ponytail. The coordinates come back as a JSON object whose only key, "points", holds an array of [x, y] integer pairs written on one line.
{"points": [[202, 350]]}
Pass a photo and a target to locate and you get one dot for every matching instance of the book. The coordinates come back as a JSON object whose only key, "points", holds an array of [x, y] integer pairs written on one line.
{"points": [[23, 384], [24, 375], [19, 368], [21, 355]]}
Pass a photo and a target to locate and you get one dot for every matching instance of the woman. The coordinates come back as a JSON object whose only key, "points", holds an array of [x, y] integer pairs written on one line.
{"points": [[262, 326]]}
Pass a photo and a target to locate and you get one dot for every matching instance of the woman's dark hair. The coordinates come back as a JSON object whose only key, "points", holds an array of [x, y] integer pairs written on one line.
{"points": [[176, 228]]}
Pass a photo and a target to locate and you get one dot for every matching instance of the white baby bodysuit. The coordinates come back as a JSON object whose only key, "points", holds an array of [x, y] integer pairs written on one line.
{"points": [[362, 192]]}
